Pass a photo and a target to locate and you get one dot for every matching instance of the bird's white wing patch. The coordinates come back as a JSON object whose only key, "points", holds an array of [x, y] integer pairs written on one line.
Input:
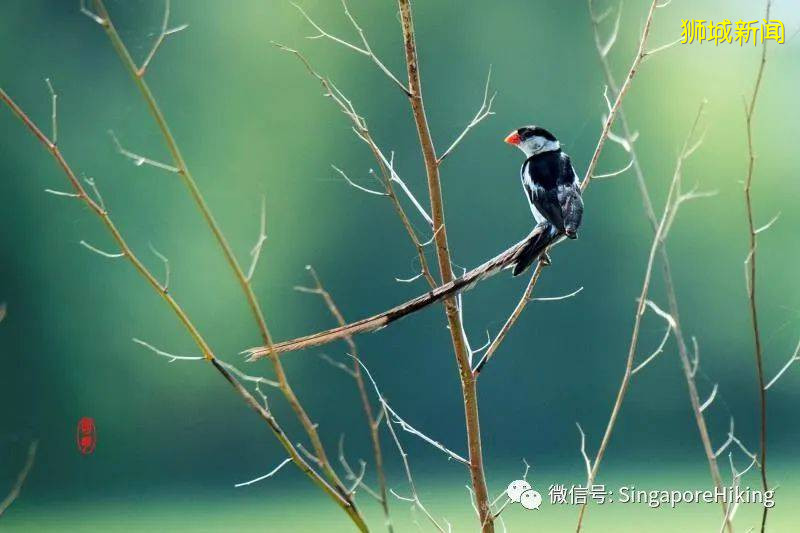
{"points": [[528, 185]]}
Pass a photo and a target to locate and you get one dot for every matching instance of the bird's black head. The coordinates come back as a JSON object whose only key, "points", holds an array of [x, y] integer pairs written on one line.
{"points": [[533, 140]]}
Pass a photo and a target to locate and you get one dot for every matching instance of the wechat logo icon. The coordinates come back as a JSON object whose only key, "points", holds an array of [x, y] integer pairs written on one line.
{"points": [[520, 491]]}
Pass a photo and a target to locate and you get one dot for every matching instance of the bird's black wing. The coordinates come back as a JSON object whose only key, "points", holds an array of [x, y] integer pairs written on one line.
{"points": [[569, 197]]}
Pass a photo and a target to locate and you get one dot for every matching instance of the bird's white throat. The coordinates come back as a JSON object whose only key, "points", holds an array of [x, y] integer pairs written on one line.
{"points": [[537, 145]]}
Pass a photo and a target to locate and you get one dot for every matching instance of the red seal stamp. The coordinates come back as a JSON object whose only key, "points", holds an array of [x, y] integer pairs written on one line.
{"points": [[86, 435]]}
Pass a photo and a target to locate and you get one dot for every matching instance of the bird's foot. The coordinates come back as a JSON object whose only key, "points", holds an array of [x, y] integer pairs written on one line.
{"points": [[545, 259]]}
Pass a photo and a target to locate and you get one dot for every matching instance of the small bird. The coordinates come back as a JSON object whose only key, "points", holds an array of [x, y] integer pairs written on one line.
{"points": [[552, 188]]}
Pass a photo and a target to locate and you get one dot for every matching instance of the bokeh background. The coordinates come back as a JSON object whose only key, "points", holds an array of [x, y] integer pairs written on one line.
{"points": [[173, 438]]}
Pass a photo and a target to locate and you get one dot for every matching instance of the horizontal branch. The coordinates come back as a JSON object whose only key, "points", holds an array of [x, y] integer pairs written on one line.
{"points": [[477, 274]]}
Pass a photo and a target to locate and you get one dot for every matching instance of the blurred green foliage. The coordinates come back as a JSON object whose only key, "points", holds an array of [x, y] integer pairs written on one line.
{"points": [[251, 122]]}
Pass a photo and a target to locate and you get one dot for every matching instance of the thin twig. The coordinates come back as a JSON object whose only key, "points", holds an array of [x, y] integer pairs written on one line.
{"points": [[657, 241], [484, 111], [372, 423], [456, 326], [265, 476], [509, 323], [415, 499], [794, 358], [255, 252], [366, 50], [250, 296], [689, 363], [21, 477], [199, 340], [165, 32], [751, 286], [386, 166], [54, 111]]}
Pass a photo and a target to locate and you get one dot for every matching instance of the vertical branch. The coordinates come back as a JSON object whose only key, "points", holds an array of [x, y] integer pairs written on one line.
{"points": [[137, 74], [751, 284], [468, 383], [372, 423], [666, 269], [612, 114], [340, 497], [671, 205]]}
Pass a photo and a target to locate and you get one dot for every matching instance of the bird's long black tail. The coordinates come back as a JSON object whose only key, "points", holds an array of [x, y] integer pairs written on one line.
{"points": [[535, 248]]}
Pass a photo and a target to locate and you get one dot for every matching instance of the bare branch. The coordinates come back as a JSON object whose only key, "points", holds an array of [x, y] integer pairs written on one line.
{"points": [[93, 185], [616, 173], [165, 285], [165, 32], [356, 185], [662, 48], [606, 48], [140, 160], [54, 113], [710, 399], [350, 475], [101, 252], [365, 51], [265, 476], [768, 224], [794, 358], [21, 477], [751, 275], [558, 298], [403, 455], [509, 323], [172, 357], [255, 252], [91, 14], [642, 302], [620, 97], [61, 193], [336, 364], [586, 460], [484, 111], [625, 142]]}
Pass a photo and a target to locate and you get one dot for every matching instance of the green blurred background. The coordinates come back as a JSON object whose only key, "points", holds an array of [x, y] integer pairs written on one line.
{"points": [[173, 438]]}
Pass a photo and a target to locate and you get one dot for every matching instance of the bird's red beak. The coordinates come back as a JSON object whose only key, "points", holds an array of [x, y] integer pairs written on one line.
{"points": [[513, 138]]}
